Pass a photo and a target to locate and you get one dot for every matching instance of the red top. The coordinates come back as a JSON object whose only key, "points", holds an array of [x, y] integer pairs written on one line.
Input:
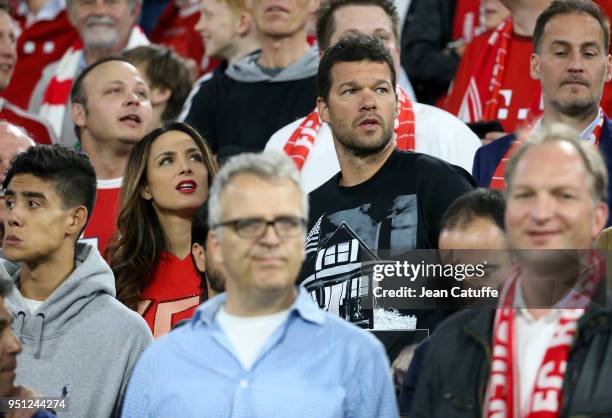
{"points": [[37, 127], [172, 295], [518, 94], [38, 45], [466, 19], [103, 222], [175, 30]]}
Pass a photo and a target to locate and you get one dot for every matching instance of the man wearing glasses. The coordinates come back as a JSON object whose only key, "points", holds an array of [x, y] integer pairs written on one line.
{"points": [[263, 348]]}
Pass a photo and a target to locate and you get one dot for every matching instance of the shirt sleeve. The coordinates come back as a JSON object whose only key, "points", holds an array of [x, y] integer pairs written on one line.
{"points": [[371, 392], [136, 401], [201, 115]]}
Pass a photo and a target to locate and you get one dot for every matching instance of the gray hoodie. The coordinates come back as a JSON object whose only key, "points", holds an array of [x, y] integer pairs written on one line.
{"points": [[248, 71], [81, 343]]}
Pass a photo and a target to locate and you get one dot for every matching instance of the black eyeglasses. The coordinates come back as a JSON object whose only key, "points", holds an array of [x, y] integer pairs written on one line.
{"points": [[285, 226]]}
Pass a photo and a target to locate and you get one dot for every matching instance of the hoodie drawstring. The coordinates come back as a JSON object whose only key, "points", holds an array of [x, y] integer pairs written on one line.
{"points": [[39, 321], [18, 324]]}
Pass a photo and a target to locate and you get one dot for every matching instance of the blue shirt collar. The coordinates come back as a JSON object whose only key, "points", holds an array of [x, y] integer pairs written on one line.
{"points": [[303, 305]]}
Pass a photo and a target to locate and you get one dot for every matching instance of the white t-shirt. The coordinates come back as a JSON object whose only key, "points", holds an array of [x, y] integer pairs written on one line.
{"points": [[32, 304], [249, 334], [437, 133]]}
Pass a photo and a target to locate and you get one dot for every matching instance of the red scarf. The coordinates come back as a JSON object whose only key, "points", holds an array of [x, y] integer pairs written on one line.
{"points": [[302, 139], [546, 397], [498, 180], [484, 86]]}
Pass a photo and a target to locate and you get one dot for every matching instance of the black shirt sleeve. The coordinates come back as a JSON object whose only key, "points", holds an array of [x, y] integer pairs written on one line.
{"points": [[201, 115]]}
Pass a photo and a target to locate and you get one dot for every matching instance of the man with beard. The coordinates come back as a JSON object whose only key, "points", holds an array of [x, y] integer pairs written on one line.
{"points": [[547, 352], [105, 29], [571, 41], [382, 199]]}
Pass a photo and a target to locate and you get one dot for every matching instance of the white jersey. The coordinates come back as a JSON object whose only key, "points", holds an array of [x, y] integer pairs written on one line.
{"points": [[438, 133]]}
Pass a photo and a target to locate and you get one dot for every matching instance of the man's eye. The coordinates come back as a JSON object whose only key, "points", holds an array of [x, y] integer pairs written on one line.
{"points": [[33, 204], [349, 92], [382, 90], [10, 204]]}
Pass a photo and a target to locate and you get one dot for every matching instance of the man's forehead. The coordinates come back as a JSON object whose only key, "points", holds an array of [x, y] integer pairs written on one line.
{"points": [[566, 28], [113, 71], [6, 22], [363, 18], [360, 72], [565, 167]]}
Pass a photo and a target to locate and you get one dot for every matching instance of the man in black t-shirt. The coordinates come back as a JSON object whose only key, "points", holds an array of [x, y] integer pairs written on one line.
{"points": [[382, 199]]}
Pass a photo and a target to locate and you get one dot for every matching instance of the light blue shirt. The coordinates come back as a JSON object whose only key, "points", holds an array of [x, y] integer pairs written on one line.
{"points": [[314, 365]]}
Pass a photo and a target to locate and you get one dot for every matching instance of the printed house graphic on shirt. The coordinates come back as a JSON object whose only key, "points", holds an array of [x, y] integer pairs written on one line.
{"points": [[337, 273]]}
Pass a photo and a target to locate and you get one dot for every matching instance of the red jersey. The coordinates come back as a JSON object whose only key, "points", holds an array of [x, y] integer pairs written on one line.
{"points": [[172, 295], [175, 30], [40, 44], [518, 94], [103, 222], [38, 128], [466, 19]]}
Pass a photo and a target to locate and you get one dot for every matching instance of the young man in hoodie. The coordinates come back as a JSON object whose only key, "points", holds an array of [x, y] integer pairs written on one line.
{"points": [[240, 109], [78, 341]]}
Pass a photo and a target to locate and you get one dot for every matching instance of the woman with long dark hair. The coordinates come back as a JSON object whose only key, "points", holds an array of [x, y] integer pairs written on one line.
{"points": [[167, 179]]}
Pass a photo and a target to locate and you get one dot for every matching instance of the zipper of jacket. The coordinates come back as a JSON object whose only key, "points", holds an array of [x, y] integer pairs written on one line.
{"points": [[482, 388]]}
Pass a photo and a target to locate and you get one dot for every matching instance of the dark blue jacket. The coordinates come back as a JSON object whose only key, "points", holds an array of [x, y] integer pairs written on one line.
{"points": [[488, 157]]}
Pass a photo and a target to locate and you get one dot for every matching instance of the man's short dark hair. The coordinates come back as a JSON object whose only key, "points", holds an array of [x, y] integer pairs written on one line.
{"points": [[326, 24], [565, 7], [353, 48], [77, 93], [69, 170], [164, 70], [478, 203]]}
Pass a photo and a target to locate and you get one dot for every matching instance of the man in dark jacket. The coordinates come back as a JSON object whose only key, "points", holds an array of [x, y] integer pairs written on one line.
{"points": [[548, 352]]}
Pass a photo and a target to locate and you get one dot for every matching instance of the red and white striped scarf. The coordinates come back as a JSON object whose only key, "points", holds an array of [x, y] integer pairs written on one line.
{"points": [[498, 181], [502, 400], [302, 139], [55, 98]]}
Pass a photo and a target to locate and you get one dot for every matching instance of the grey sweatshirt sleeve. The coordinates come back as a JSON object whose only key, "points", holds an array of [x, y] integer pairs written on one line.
{"points": [[141, 338]]}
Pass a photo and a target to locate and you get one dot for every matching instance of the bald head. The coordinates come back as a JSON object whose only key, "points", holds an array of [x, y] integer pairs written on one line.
{"points": [[13, 140]]}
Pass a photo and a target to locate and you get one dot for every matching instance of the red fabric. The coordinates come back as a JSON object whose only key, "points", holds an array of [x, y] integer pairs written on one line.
{"points": [[103, 222], [172, 295], [546, 395], [518, 94], [176, 30], [33, 56], [40, 131], [466, 19]]}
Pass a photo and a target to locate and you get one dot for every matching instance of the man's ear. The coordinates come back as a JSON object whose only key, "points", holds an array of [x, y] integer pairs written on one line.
{"points": [[244, 24], [160, 95], [199, 256], [214, 246], [534, 66], [135, 12], [77, 218], [323, 109], [79, 114], [608, 75]]}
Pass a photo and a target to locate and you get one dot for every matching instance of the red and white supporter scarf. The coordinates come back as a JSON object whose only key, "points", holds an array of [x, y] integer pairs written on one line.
{"points": [[302, 139], [56, 95], [502, 400], [498, 180]]}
